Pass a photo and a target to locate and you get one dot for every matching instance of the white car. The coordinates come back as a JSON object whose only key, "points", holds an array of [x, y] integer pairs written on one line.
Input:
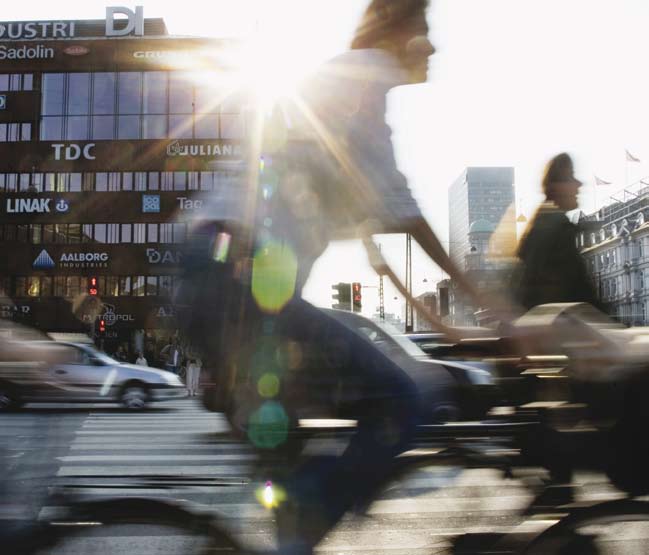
{"points": [[60, 372]]}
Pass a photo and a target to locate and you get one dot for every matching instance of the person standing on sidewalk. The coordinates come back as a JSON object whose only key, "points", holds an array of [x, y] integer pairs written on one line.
{"points": [[193, 375]]}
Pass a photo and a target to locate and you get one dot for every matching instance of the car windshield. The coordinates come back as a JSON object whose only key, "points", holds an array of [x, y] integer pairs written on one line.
{"points": [[100, 356], [387, 333]]}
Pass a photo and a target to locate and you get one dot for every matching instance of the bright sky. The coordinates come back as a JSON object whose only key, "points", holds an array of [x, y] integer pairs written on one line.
{"points": [[513, 83]]}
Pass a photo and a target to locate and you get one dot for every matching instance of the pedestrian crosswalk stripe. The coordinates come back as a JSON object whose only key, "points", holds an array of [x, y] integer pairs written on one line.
{"points": [[169, 458], [182, 470]]}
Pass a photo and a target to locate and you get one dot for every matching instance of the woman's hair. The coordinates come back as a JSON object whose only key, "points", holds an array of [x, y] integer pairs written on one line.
{"points": [[555, 172], [383, 19]]}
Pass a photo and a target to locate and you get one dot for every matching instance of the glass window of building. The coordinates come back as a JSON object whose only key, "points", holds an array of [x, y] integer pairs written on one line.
{"points": [[22, 233], [52, 94], [37, 182], [181, 93], [46, 286], [180, 181], [20, 287], [74, 233], [166, 233], [166, 181], [100, 233], [35, 233], [25, 131], [112, 286], [152, 286], [155, 92], [113, 181], [75, 182], [10, 232], [101, 181], [101, 285], [180, 231], [127, 181], [152, 230], [164, 286], [206, 127], [86, 233], [13, 132], [88, 182], [48, 233], [126, 233], [51, 128], [139, 233], [192, 181], [11, 182], [72, 286], [125, 286], [33, 284], [139, 286], [209, 93], [154, 126], [59, 286], [3, 132], [231, 126], [103, 127], [112, 233], [23, 182], [129, 97], [154, 181], [4, 82], [140, 181], [78, 96], [77, 128], [60, 233], [180, 127], [28, 82], [15, 82], [103, 97], [128, 127], [207, 181]]}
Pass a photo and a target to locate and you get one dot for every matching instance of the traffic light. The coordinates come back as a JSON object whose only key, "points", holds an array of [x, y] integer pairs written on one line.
{"points": [[102, 326], [92, 286], [342, 295], [357, 297]]}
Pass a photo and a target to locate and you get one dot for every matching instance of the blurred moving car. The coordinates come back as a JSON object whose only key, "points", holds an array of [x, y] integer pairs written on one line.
{"points": [[62, 372], [314, 390]]}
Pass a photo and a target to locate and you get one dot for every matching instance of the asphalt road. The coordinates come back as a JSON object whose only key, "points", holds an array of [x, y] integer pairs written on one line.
{"points": [[106, 452]]}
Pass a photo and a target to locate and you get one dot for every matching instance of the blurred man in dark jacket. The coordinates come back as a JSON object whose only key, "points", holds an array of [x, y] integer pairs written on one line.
{"points": [[552, 270]]}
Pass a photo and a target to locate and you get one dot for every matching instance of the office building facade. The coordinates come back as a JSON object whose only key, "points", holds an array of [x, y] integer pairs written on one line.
{"points": [[112, 132], [478, 194]]}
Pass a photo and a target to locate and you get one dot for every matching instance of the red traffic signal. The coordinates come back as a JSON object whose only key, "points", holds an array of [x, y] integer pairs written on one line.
{"points": [[102, 326], [92, 286], [357, 296]]}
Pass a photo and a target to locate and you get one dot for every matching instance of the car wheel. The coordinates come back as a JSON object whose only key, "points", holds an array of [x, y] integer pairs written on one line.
{"points": [[134, 397]]}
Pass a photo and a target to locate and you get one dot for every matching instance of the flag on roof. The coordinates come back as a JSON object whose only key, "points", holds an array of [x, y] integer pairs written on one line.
{"points": [[630, 157]]}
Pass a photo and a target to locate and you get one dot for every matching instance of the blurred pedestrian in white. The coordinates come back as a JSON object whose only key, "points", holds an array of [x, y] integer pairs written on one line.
{"points": [[193, 375], [141, 361]]}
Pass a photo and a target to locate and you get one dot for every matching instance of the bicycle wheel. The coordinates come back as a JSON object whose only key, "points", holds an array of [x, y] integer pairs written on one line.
{"points": [[136, 526], [610, 528]]}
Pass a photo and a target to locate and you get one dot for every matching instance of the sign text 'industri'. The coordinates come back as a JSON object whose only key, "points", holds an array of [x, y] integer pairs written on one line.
{"points": [[37, 30]]}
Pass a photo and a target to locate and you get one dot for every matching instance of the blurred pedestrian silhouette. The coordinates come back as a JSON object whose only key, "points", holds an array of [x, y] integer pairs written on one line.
{"points": [[551, 267], [552, 270]]}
